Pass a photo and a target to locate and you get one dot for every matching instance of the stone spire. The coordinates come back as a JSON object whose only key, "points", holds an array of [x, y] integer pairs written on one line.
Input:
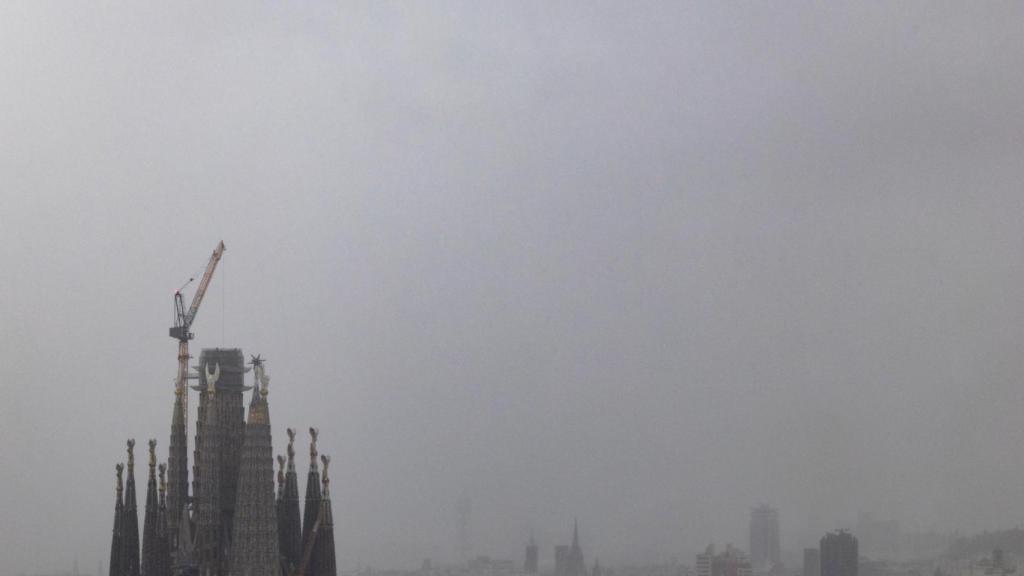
{"points": [[130, 532], [254, 549], [150, 547], [575, 566], [115, 540], [208, 541], [291, 522], [312, 508], [177, 466], [279, 507], [323, 562], [163, 540]]}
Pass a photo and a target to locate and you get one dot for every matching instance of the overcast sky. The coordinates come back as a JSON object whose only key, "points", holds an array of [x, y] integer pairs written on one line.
{"points": [[647, 264]]}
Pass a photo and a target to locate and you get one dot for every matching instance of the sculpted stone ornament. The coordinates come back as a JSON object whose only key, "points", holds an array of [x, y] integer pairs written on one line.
{"points": [[152, 453], [120, 480], [280, 473], [325, 480], [163, 477], [212, 377], [313, 433], [131, 453]]}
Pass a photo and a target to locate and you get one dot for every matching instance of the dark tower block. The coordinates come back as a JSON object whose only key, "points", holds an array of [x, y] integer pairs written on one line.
{"points": [[839, 554], [230, 430], [177, 464], [150, 547], [323, 562], [530, 566], [561, 559], [291, 522], [130, 533], [115, 540], [254, 548], [209, 543], [309, 515]]}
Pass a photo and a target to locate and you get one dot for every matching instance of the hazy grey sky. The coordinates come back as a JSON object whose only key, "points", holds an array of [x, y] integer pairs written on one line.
{"points": [[647, 264]]}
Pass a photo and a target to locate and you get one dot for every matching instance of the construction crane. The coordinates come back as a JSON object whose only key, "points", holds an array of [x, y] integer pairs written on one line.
{"points": [[183, 324]]}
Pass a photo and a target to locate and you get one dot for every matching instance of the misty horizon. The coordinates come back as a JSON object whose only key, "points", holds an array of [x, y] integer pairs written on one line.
{"points": [[646, 265]]}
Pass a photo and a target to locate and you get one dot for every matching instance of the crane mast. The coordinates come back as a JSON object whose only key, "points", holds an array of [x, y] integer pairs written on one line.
{"points": [[183, 325]]}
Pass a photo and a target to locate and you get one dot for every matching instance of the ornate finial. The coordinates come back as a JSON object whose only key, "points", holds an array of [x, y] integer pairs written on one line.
{"points": [[291, 446], [131, 453], [324, 479], [313, 433], [163, 478], [280, 473], [152, 454], [120, 480], [212, 377]]}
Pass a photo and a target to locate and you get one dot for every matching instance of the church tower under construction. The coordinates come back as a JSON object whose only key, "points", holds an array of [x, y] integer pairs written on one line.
{"points": [[232, 523]]}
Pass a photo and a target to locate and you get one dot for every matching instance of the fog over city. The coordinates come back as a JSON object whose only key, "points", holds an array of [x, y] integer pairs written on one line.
{"points": [[647, 265]]}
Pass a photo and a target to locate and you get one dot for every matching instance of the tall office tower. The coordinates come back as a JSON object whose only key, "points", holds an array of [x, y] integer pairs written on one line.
{"points": [[464, 514], [839, 554], [764, 538], [530, 566], [561, 560], [812, 562]]}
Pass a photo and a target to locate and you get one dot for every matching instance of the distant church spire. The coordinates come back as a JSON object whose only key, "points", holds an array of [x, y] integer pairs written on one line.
{"points": [[130, 531], [291, 523], [309, 515], [115, 540], [575, 565], [254, 550], [323, 561], [150, 547]]}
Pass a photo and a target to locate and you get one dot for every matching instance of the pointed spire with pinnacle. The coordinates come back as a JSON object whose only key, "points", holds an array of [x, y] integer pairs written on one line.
{"points": [[312, 508], [163, 540], [575, 565], [177, 466], [254, 550], [323, 562], [150, 548], [279, 507], [130, 540], [115, 540], [291, 523], [209, 532]]}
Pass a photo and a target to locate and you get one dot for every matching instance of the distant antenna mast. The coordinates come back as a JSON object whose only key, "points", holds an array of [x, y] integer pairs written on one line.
{"points": [[182, 329]]}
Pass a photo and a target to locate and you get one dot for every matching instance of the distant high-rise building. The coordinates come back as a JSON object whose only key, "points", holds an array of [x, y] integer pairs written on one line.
{"points": [[764, 539], [561, 560], [839, 554], [812, 562], [530, 566], [731, 562], [463, 513], [877, 539]]}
